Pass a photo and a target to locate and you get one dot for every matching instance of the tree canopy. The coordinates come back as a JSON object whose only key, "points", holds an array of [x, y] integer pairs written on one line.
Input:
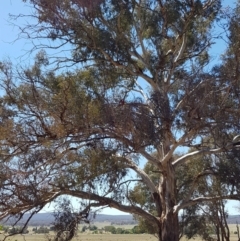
{"points": [[131, 113]]}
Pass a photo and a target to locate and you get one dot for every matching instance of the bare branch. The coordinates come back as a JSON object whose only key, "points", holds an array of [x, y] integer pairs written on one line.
{"points": [[182, 48], [105, 201], [184, 158], [204, 199], [143, 175]]}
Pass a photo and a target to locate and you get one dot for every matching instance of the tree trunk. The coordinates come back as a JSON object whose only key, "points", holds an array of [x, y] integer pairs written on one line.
{"points": [[225, 228], [168, 220], [218, 233], [170, 228]]}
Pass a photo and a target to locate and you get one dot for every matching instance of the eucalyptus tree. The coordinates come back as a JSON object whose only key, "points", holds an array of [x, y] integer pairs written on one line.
{"points": [[142, 88]]}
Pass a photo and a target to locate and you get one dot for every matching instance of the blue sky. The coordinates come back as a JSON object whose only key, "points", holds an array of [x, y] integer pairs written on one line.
{"points": [[17, 51], [8, 33]]}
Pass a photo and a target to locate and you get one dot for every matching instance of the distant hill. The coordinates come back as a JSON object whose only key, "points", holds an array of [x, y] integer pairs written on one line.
{"points": [[233, 219], [47, 219]]}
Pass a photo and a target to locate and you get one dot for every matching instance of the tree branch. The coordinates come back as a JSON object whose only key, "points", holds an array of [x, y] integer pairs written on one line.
{"points": [[181, 50], [204, 199], [143, 175], [195, 183], [184, 158], [178, 143], [105, 201]]}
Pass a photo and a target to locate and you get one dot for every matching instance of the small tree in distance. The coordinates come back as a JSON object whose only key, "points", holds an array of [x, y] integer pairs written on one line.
{"points": [[143, 90]]}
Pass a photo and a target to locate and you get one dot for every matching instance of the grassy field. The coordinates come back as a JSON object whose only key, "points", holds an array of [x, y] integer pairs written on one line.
{"points": [[105, 237], [86, 237], [98, 237]]}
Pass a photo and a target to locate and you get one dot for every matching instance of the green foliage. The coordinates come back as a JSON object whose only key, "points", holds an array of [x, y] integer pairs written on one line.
{"points": [[142, 90], [42, 229], [119, 231], [6, 229], [84, 228], [51, 228], [137, 230], [93, 227], [134, 230], [110, 229], [66, 220], [17, 230]]}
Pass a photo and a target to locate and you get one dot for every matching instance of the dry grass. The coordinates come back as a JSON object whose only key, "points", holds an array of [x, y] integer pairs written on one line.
{"points": [[87, 237], [99, 237], [106, 237], [232, 229]]}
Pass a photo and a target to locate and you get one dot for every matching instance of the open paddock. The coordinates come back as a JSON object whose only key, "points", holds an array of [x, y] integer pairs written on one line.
{"points": [[85, 237], [105, 236]]}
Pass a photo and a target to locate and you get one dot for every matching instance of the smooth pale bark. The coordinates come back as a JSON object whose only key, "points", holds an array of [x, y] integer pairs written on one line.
{"points": [[169, 219]]}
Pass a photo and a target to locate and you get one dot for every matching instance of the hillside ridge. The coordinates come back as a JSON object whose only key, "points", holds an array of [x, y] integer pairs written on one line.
{"points": [[47, 219]]}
